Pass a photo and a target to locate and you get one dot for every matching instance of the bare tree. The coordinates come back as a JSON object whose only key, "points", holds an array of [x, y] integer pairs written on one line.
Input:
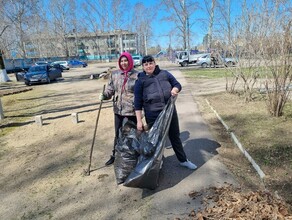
{"points": [[180, 13], [224, 20], [276, 52], [244, 47], [3, 27], [118, 21], [62, 12], [261, 40], [105, 17], [141, 24], [3, 78], [97, 19], [19, 13], [211, 12], [41, 38], [3, 74], [91, 22]]}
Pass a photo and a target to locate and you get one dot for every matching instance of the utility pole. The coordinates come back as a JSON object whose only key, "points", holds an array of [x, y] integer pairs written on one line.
{"points": [[145, 42], [121, 43], [188, 32], [136, 40]]}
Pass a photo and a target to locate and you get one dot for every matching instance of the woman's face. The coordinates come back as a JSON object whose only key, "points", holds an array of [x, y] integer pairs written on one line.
{"points": [[149, 67], [124, 63]]}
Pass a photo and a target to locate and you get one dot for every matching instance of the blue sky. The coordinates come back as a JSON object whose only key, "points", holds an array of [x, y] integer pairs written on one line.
{"points": [[161, 28]]}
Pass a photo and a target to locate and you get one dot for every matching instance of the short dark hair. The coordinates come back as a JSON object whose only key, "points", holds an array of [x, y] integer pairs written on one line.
{"points": [[147, 59]]}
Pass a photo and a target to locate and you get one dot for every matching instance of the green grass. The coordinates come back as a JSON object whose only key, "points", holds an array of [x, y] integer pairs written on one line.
{"points": [[208, 73], [211, 73]]}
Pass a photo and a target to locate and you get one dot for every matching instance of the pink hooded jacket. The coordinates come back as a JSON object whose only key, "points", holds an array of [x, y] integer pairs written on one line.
{"points": [[121, 88]]}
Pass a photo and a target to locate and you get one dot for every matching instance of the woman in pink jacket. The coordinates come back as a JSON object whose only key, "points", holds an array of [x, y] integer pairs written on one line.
{"points": [[121, 88]]}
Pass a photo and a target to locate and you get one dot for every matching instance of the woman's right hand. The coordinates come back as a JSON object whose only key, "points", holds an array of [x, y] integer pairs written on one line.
{"points": [[139, 126], [101, 97]]}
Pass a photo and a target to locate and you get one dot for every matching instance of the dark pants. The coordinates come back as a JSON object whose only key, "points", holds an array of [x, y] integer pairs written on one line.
{"points": [[173, 135], [118, 124]]}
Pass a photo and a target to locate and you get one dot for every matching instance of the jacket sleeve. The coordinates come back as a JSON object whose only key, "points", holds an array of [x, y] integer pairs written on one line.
{"points": [[138, 95], [110, 89], [174, 83]]}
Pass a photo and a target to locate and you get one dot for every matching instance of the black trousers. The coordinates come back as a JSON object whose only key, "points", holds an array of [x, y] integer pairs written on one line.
{"points": [[173, 135], [118, 124]]}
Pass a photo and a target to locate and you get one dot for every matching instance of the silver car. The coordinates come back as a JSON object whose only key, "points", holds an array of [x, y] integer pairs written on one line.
{"points": [[205, 61], [63, 64]]}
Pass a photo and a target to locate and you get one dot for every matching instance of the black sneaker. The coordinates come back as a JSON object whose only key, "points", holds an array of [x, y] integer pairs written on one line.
{"points": [[110, 161]]}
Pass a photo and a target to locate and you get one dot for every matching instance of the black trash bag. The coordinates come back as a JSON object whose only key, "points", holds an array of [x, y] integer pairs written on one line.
{"points": [[146, 172], [126, 156]]}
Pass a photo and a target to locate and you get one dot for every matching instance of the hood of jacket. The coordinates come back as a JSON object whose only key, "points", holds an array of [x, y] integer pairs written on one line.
{"points": [[130, 61]]}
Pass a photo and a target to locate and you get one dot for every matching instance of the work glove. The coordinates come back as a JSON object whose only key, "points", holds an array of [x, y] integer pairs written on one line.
{"points": [[101, 97]]}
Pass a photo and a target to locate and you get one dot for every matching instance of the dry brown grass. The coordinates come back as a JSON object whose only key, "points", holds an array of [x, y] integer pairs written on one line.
{"points": [[267, 139]]}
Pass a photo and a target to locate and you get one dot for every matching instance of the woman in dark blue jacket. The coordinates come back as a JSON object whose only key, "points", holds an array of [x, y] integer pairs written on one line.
{"points": [[152, 90]]}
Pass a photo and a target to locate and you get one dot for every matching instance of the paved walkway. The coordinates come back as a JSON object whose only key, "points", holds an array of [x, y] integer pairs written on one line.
{"points": [[171, 199]]}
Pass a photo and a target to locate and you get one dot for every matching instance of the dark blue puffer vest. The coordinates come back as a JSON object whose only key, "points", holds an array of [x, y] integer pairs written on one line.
{"points": [[156, 90]]}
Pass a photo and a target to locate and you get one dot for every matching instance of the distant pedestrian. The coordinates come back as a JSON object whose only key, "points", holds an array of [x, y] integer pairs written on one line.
{"points": [[153, 89], [213, 59]]}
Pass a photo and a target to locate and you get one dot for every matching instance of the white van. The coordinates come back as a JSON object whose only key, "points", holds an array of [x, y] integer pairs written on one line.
{"points": [[137, 60], [184, 58]]}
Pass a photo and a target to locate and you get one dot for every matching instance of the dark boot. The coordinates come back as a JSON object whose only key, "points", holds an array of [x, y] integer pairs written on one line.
{"points": [[111, 160]]}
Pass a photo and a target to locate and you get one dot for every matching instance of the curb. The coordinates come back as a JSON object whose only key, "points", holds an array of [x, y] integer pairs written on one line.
{"points": [[239, 145]]}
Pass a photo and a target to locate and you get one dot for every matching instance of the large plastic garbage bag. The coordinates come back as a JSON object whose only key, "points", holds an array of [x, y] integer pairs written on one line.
{"points": [[126, 156], [150, 146]]}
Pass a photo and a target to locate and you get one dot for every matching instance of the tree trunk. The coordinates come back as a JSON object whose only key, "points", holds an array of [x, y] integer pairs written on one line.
{"points": [[1, 111], [3, 74]]}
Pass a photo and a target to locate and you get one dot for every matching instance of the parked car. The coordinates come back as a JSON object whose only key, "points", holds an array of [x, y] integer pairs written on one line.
{"points": [[205, 61], [56, 65], [41, 63], [19, 76], [63, 64], [137, 60], [41, 74], [77, 63]]}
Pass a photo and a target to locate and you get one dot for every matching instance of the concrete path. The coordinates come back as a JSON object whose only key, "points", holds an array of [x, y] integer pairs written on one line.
{"points": [[171, 198]]}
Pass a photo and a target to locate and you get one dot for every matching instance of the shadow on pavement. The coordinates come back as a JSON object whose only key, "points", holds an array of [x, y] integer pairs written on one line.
{"points": [[199, 151]]}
